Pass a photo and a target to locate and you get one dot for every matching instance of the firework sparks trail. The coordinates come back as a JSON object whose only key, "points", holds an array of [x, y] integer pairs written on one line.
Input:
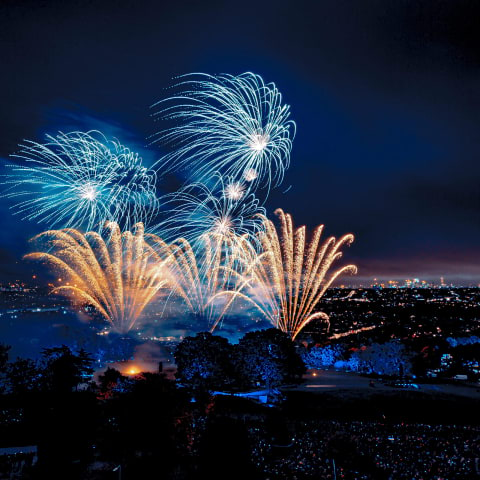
{"points": [[197, 211], [237, 125], [352, 332], [116, 276], [288, 278], [80, 179], [196, 275]]}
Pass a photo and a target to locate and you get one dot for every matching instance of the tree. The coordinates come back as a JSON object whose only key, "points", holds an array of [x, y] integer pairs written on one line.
{"points": [[108, 381], [267, 357], [323, 357], [390, 358], [4, 356], [24, 375], [465, 358], [3, 365], [65, 370], [143, 418], [204, 362]]}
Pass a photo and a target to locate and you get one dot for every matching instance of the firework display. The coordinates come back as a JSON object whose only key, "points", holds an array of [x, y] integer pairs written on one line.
{"points": [[288, 278], [80, 180], [114, 273], [197, 275], [237, 125], [197, 210], [207, 244]]}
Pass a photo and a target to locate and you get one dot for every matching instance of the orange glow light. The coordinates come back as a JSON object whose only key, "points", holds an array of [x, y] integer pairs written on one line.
{"points": [[132, 371]]}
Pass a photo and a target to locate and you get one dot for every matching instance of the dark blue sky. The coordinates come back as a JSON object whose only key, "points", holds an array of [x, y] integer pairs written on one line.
{"points": [[386, 96]]}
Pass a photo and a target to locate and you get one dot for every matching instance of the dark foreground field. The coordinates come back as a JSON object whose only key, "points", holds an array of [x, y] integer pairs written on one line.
{"points": [[394, 406], [361, 433]]}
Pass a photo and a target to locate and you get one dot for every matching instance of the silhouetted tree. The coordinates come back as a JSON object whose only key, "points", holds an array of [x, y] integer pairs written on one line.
{"points": [[267, 357], [24, 375], [143, 419], [390, 358], [3, 365], [204, 362], [65, 370], [108, 381], [323, 357], [4, 356]]}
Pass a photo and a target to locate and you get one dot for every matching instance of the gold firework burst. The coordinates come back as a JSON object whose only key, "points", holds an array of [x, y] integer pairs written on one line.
{"points": [[197, 274], [114, 274], [287, 279]]}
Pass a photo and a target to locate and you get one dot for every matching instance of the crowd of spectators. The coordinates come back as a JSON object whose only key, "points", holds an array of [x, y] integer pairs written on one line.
{"points": [[369, 450]]}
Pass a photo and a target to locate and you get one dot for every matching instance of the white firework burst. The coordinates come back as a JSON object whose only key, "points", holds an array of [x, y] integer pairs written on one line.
{"points": [[237, 125], [197, 210], [81, 180], [234, 191]]}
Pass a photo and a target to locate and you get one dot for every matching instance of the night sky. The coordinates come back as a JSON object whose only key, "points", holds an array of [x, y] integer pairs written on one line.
{"points": [[385, 94]]}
